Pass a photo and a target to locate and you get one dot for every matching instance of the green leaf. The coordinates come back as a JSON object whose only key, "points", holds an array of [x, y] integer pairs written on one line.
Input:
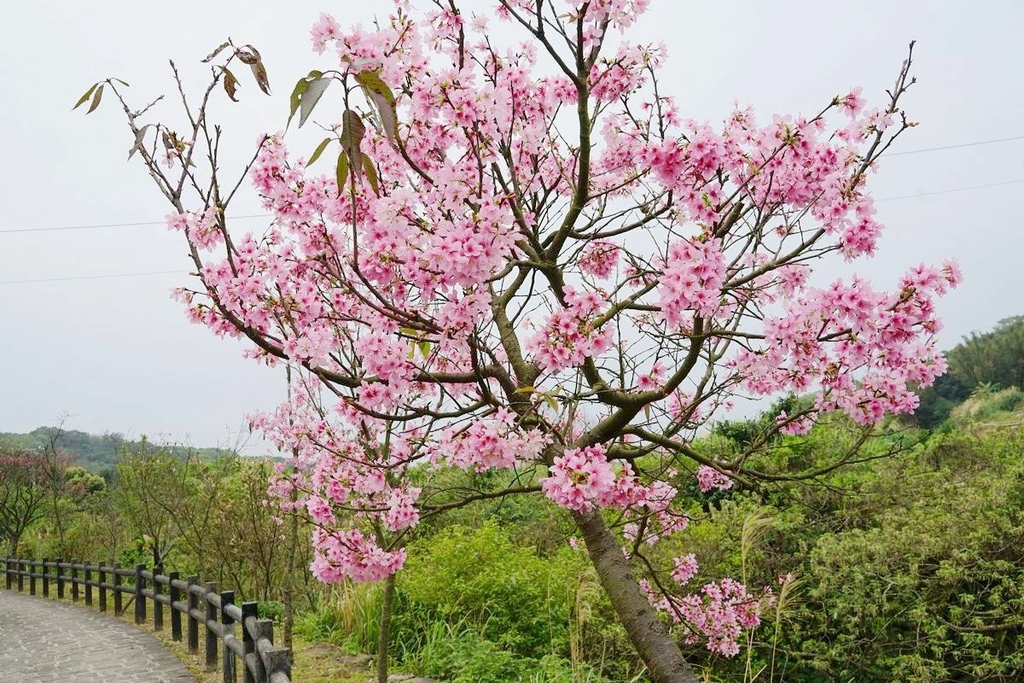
{"points": [[296, 98], [388, 116], [341, 172], [297, 93], [352, 131], [371, 174], [310, 96], [86, 96], [318, 151], [424, 347], [371, 82], [551, 401], [383, 100], [525, 390], [97, 96]]}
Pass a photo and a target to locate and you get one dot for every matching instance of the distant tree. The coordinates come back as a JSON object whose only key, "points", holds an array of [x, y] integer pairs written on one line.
{"points": [[80, 483], [151, 489], [56, 461], [23, 494], [994, 358], [244, 538]]}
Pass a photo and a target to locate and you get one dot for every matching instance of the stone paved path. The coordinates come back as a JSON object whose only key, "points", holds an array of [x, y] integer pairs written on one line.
{"points": [[44, 641]]}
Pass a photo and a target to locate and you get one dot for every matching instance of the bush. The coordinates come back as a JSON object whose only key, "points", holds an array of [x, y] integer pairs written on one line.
{"points": [[480, 579], [932, 587]]}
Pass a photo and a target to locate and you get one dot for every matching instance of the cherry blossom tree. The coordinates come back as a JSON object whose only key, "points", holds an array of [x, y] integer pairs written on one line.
{"points": [[526, 259]]}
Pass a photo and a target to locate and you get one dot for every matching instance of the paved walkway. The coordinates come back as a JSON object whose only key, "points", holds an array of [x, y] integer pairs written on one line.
{"points": [[44, 641]]}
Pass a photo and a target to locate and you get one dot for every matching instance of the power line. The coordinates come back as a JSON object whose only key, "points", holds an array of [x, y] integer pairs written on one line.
{"points": [[90, 277], [99, 226], [114, 225], [965, 144], [267, 215], [954, 189], [977, 143], [173, 272]]}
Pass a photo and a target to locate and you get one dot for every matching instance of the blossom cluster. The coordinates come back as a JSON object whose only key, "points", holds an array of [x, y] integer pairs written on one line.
{"points": [[709, 478], [863, 347], [569, 336], [719, 613], [583, 479], [487, 444], [692, 279]]}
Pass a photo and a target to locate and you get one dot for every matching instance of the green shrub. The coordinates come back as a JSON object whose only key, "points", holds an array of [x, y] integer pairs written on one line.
{"points": [[270, 609], [479, 578]]}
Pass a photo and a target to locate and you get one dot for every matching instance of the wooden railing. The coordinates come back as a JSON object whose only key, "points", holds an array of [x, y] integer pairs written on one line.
{"points": [[199, 603]]}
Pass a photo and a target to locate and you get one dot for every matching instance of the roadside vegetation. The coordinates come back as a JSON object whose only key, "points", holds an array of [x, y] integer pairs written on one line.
{"points": [[906, 564]]}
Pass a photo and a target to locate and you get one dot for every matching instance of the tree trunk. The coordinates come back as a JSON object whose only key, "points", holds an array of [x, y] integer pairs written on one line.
{"points": [[384, 629], [649, 635], [291, 570]]}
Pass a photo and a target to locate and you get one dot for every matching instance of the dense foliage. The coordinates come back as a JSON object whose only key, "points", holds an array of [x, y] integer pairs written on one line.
{"points": [[993, 359], [903, 568]]}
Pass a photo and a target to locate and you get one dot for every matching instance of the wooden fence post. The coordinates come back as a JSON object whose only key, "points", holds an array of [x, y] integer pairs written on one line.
{"points": [[101, 572], [8, 576], [279, 661], [20, 568], [31, 577], [158, 607], [193, 623], [74, 582], [118, 599], [60, 579], [140, 599], [227, 626], [46, 578], [249, 609], [264, 630], [175, 594], [211, 636], [87, 570]]}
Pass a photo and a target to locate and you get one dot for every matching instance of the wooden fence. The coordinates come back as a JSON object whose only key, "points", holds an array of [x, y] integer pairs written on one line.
{"points": [[199, 603]]}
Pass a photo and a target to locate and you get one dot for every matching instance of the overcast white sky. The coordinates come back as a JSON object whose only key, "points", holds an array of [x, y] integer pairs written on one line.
{"points": [[116, 354]]}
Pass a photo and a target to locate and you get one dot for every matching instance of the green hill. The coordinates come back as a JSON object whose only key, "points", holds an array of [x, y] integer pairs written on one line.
{"points": [[96, 453]]}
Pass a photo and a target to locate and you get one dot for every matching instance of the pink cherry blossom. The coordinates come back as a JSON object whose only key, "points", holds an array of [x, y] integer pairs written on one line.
{"points": [[709, 478]]}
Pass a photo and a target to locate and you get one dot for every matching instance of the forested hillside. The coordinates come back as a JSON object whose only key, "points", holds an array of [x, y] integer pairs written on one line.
{"points": [[96, 453]]}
